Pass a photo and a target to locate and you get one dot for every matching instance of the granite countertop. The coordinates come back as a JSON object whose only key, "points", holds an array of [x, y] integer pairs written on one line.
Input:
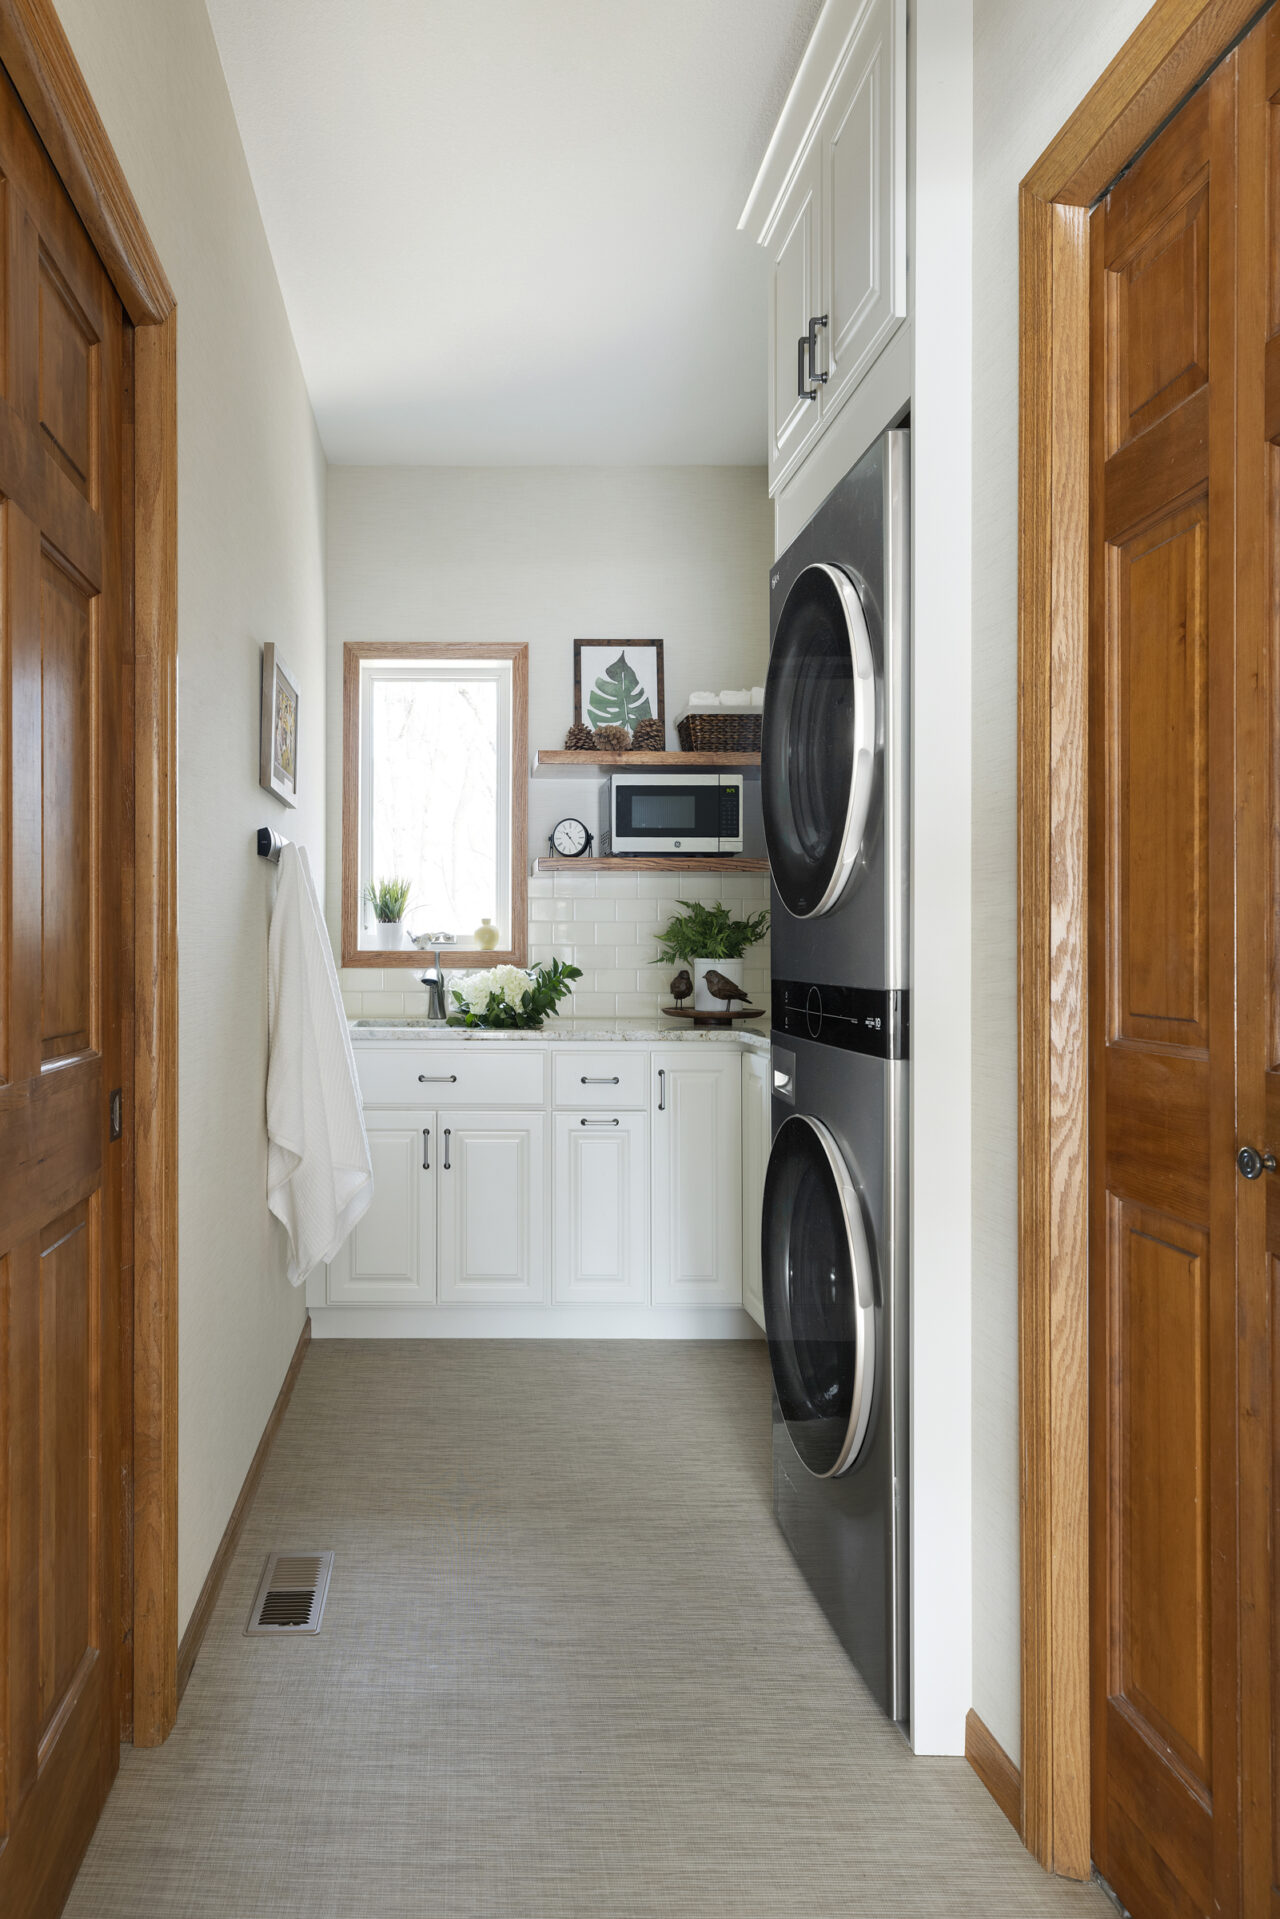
{"points": [[750, 1035]]}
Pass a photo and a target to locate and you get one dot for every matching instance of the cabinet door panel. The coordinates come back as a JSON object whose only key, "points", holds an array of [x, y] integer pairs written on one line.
{"points": [[796, 289], [864, 202], [390, 1257], [601, 1207], [697, 1177], [492, 1215], [756, 1116]]}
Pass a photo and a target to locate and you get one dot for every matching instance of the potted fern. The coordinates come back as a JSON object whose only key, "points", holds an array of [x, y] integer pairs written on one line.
{"points": [[708, 939], [387, 900]]}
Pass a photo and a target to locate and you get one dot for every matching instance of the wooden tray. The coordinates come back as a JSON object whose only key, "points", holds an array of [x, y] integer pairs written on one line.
{"points": [[712, 1019]]}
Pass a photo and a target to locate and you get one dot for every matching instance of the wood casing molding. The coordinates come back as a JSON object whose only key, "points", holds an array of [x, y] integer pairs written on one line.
{"points": [[994, 1768], [1166, 57], [38, 58], [353, 652], [202, 1612]]}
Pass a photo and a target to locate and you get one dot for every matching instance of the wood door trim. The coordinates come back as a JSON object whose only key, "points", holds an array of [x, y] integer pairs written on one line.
{"points": [[994, 1768], [40, 63], [1165, 58], [198, 1624]]}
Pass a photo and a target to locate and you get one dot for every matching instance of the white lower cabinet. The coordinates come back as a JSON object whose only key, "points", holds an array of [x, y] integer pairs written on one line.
{"points": [[601, 1237], [491, 1181], [757, 1121], [390, 1258], [697, 1176]]}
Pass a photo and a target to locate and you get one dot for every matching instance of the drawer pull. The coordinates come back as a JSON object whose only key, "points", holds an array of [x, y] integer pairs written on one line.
{"points": [[426, 1149], [662, 1090], [444, 1079], [587, 1081], [599, 1122], [447, 1166]]}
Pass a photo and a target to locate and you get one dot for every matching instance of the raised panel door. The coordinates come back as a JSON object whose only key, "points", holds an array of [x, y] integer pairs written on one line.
{"points": [[492, 1217], [390, 1255], [795, 295], [601, 1182], [863, 151], [756, 1123], [697, 1177]]}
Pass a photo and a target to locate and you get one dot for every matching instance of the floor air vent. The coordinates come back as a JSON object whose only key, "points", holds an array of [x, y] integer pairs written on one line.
{"points": [[292, 1593]]}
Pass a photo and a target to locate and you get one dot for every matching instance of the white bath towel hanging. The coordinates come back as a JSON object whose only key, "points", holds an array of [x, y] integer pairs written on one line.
{"points": [[319, 1173]]}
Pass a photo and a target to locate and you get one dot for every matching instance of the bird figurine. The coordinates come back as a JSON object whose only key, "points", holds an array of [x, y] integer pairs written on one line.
{"points": [[721, 988], [682, 985]]}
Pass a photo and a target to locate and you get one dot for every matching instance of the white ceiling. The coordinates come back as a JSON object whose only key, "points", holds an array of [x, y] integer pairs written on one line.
{"points": [[506, 231]]}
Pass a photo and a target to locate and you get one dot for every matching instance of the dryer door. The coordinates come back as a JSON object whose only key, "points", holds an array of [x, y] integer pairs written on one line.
{"points": [[819, 1296], [818, 752]]}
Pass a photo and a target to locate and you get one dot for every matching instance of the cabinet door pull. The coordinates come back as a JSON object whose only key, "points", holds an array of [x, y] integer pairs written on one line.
{"points": [[447, 1166], [587, 1081], [803, 390], [426, 1149], [819, 319], [599, 1122], [444, 1079], [662, 1089]]}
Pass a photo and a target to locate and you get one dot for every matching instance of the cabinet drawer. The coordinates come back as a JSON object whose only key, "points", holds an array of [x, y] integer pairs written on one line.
{"points": [[448, 1076], [599, 1078]]}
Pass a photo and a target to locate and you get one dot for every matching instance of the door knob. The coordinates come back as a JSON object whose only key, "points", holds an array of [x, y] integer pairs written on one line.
{"points": [[1254, 1164]]}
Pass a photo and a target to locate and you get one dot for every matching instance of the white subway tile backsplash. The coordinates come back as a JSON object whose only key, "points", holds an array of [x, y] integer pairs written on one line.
{"points": [[542, 909], [592, 910]]}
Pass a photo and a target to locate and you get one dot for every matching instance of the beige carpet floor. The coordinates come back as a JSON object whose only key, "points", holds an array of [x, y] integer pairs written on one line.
{"points": [[568, 1670]]}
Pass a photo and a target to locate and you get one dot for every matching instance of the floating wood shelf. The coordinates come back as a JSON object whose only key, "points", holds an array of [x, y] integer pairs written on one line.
{"points": [[559, 764], [672, 863]]}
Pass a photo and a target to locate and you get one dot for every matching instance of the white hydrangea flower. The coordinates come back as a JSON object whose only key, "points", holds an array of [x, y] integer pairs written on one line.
{"points": [[509, 982]]}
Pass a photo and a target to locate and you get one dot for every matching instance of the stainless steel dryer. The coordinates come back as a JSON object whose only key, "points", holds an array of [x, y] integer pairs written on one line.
{"points": [[834, 1252]]}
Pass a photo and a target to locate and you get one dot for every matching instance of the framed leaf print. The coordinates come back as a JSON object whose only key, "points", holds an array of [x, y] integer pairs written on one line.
{"points": [[617, 682], [278, 728]]}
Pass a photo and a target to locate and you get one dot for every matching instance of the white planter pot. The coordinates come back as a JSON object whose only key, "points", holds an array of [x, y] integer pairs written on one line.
{"points": [[388, 936], [705, 1001]]}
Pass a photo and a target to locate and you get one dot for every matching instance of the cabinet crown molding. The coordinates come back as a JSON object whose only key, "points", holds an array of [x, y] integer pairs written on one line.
{"points": [[805, 104]]}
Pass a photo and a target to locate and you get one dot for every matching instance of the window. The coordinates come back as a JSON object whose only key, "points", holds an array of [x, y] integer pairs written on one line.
{"points": [[435, 756]]}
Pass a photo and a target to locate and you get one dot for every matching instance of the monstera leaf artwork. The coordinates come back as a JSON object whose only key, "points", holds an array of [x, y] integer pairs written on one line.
{"points": [[617, 698]]}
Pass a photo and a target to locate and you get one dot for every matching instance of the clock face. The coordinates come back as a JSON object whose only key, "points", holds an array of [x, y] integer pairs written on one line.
{"points": [[570, 839]]}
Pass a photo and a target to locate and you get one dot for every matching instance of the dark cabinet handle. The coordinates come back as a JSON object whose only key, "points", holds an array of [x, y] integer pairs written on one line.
{"points": [[599, 1122], [818, 320], [443, 1079], [662, 1090], [447, 1167], [426, 1149], [599, 1082], [803, 390], [1254, 1164]]}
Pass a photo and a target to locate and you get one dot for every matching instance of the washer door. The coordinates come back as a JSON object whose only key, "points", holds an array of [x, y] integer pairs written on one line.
{"points": [[818, 752], [819, 1296]]}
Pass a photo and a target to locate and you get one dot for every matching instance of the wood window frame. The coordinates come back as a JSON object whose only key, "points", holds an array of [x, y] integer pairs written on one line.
{"points": [[38, 58], [1162, 62], [405, 652]]}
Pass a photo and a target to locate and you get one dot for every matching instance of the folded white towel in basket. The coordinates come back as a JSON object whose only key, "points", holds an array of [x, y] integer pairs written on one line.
{"points": [[319, 1173]]}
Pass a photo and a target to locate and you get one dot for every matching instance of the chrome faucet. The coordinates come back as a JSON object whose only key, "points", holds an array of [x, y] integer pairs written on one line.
{"points": [[434, 983]]}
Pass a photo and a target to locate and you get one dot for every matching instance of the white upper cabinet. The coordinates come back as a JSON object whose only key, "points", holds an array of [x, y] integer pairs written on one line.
{"points": [[830, 203]]}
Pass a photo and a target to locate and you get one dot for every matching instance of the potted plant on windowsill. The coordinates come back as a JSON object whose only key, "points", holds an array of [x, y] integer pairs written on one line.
{"points": [[704, 938], [388, 899]]}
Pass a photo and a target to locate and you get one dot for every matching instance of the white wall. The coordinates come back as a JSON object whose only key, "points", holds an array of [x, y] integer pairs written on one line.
{"points": [[547, 554], [250, 568], [1032, 65]]}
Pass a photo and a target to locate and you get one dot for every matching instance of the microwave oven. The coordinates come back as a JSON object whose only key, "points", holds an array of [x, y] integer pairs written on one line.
{"points": [[675, 813]]}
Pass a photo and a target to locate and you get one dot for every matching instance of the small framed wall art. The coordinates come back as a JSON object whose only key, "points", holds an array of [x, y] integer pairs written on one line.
{"points": [[278, 728], [617, 682]]}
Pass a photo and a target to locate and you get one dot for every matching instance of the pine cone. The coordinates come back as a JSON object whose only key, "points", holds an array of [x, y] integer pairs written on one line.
{"points": [[650, 736], [611, 739], [579, 738]]}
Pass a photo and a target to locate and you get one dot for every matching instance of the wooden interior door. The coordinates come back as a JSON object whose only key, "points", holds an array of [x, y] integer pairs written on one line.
{"points": [[63, 800], [1163, 1480]]}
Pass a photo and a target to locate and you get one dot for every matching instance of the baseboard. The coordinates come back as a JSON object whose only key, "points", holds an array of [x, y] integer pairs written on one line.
{"points": [[995, 1769], [198, 1624], [532, 1322]]}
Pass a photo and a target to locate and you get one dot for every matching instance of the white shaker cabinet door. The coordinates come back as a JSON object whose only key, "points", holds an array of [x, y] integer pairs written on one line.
{"points": [[390, 1257], [491, 1178], [601, 1241], [863, 188], [794, 300], [697, 1176], [756, 1125]]}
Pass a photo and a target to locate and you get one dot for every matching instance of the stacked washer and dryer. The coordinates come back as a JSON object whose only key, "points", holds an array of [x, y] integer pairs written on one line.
{"points": [[834, 787]]}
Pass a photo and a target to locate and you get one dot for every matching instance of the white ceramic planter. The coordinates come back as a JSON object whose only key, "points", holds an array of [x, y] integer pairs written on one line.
{"points": [[704, 1000], [388, 936]]}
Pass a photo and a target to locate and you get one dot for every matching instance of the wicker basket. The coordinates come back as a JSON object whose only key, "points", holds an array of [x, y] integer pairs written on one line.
{"points": [[719, 732]]}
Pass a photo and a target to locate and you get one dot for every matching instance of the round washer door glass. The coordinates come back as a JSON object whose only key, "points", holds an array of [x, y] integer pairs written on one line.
{"points": [[817, 761], [818, 1297]]}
